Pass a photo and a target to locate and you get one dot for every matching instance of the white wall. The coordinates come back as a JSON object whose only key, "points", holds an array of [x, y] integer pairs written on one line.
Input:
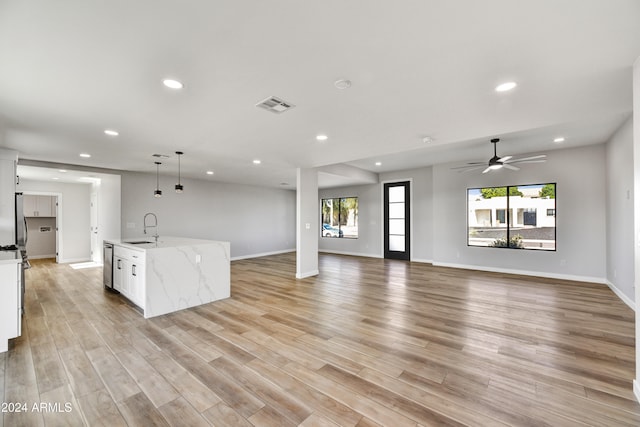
{"points": [[255, 220], [620, 199], [75, 243], [581, 213]]}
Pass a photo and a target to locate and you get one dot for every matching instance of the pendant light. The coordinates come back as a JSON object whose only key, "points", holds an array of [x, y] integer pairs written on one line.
{"points": [[157, 192], [179, 186]]}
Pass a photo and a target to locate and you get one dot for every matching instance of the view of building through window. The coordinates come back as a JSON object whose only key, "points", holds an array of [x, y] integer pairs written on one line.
{"points": [[340, 217], [518, 217]]}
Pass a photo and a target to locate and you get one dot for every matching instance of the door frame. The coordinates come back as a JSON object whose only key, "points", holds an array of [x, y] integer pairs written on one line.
{"points": [[58, 230], [382, 210]]}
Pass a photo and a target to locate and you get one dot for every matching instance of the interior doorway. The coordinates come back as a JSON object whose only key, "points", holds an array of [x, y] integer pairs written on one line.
{"points": [[397, 220], [42, 214], [96, 247]]}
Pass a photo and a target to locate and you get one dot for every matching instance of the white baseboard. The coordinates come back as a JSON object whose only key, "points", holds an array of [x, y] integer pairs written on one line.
{"points": [[600, 280], [331, 251], [258, 255], [72, 260], [307, 274], [424, 261], [41, 256], [636, 389], [622, 296]]}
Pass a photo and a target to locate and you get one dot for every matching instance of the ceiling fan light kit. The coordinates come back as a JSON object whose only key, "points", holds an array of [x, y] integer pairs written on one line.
{"points": [[496, 162]]}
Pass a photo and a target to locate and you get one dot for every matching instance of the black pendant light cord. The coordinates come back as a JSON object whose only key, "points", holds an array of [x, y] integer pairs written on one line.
{"points": [[179, 186]]}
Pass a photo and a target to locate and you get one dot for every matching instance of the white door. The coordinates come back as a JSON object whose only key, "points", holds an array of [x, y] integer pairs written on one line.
{"points": [[95, 245]]}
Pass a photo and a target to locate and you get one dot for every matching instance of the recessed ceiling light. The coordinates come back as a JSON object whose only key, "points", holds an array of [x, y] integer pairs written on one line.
{"points": [[342, 84], [256, 162], [55, 177], [172, 84], [111, 132], [378, 163], [85, 155], [62, 170], [322, 137], [427, 140], [558, 140], [209, 172], [504, 87]]}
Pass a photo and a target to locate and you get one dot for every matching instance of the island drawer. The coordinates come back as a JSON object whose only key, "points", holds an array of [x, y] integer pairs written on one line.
{"points": [[128, 254]]}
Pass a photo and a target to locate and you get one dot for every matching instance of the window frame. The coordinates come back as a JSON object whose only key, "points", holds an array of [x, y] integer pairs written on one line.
{"points": [[508, 226], [357, 214]]}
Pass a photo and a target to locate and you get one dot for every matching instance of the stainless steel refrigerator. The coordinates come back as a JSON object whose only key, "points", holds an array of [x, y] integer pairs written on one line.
{"points": [[21, 240], [21, 223]]}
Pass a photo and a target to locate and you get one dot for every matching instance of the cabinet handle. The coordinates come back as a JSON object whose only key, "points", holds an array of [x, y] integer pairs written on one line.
{"points": [[133, 270], [119, 268]]}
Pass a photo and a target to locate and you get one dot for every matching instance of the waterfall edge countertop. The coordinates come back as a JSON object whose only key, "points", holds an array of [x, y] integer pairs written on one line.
{"points": [[148, 242], [173, 274]]}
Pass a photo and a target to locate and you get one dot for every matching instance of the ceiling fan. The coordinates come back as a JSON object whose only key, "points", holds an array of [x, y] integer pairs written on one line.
{"points": [[496, 162]]}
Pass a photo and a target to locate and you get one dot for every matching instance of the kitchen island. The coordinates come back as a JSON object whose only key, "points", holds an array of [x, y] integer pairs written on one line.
{"points": [[171, 274]]}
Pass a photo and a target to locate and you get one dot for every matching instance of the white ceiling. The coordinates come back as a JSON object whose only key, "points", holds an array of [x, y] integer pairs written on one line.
{"points": [[70, 69]]}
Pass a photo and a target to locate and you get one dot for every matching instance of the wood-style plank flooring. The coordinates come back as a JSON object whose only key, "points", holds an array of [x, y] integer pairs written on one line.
{"points": [[368, 342]]}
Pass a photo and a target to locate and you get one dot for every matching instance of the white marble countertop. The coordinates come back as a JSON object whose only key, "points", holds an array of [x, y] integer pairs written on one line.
{"points": [[163, 242], [10, 257]]}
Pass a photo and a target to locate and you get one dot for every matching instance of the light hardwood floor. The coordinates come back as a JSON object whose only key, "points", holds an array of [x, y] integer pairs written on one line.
{"points": [[367, 342]]}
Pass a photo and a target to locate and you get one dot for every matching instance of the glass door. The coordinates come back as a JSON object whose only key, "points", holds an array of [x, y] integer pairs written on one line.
{"points": [[396, 221]]}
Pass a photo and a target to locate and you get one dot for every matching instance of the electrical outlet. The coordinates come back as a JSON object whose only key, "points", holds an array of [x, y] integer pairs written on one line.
{"points": [[131, 225], [198, 259]]}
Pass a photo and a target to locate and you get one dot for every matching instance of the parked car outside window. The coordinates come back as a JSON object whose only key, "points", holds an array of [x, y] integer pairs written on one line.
{"points": [[329, 231]]}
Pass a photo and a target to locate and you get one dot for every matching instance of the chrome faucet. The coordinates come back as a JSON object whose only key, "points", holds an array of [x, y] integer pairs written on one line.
{"points": [[155, 225]]}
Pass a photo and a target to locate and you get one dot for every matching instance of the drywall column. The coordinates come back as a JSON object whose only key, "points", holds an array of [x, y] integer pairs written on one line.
{"points": [[636, 214], [307, 224]]}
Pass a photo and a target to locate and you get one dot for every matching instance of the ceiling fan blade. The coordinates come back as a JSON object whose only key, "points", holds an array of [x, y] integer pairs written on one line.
{"points": [[529, 161], [475, 168], [504, 159], [470, 165], [508, 166], [487, 170], [541, 156]]}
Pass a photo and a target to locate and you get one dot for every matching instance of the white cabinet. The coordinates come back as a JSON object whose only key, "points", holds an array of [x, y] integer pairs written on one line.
{"points": [[129, 274], [35, 205], [10, 303]]}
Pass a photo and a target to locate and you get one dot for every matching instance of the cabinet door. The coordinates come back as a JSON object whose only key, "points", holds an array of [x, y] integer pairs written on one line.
{"points": [[118, 273], [44, 205], [30, 204], [9, 303]]}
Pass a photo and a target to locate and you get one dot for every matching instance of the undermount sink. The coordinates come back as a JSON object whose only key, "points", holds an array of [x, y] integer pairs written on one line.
{"points": [[139, 242]]}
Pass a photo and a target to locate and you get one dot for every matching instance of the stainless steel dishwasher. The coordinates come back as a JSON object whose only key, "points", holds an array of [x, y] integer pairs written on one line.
{"points": [[107, 267]]}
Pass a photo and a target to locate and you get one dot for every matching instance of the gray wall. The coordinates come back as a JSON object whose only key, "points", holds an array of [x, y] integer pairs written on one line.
{"points": [[580, 221], [256, 220], [370, 227], [41, 244], [620, 199], [439, 205]]}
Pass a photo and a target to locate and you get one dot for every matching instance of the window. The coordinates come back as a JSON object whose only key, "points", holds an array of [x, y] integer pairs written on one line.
{"points": [[340, 217], [516, 217]]}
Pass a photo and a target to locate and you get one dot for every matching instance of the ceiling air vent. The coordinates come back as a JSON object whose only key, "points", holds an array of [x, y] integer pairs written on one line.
{"points": [[160, 156], [275, 105]]}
